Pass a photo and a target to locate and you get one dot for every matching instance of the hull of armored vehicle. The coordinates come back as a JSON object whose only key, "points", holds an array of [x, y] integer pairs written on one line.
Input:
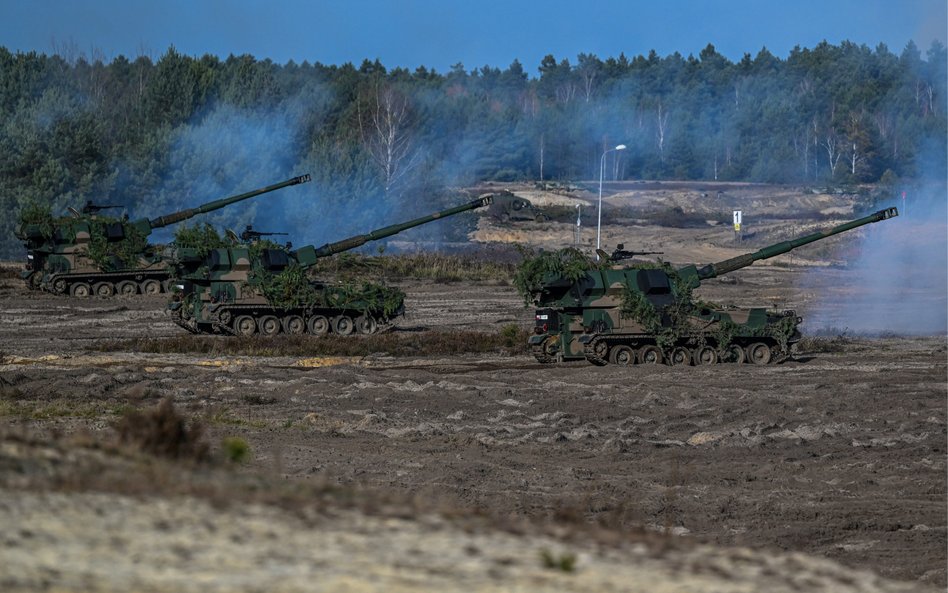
{"points": [[88, 254], [755, 335], [646, 312], [261, 290]]}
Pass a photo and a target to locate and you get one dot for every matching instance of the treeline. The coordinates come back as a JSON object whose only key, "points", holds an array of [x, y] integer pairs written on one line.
{"points": [[156, 135]]}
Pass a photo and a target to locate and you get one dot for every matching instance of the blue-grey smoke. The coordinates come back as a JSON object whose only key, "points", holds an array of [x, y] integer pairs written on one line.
{"points": [[899, 283]]}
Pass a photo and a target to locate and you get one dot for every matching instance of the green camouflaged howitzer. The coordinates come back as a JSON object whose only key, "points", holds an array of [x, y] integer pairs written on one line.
{"points": [[86, 254], [645, 313], [263, 287]]}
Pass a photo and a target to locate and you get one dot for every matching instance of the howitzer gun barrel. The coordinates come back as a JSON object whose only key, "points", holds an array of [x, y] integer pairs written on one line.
{"points": [[162, 221], [359, 240], [742, 261]]}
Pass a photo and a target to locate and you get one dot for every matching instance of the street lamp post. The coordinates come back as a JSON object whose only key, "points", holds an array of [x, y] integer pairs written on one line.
{"points": [[602, 169]]}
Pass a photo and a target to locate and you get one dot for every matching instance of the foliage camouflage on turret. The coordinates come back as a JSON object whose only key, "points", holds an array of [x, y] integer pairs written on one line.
{"points": [[636, 306], [569, 263], [106, 254], [292, 288], [201, 237], [39, 214]]}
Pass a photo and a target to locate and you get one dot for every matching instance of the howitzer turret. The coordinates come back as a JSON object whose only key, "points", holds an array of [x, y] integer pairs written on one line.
{"points": [[91, 254], [263, 287], [646, 313]]}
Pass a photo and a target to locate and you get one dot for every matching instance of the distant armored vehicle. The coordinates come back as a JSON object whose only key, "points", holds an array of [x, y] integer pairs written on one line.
{"points": [[88, 254], [509, 207], [645, 313], [262, 287]]}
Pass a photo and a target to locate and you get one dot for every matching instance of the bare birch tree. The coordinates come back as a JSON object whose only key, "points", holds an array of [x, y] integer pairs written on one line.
{"points": [[661, 116], [833, 152], [588, 69], [385, 126]]}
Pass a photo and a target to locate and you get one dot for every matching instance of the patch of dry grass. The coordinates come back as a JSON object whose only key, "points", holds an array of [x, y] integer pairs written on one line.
{"points": [[438, 267], [10, 270], [510, 340], [162, 431]]}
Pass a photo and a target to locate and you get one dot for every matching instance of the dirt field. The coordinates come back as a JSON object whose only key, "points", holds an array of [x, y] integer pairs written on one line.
{"points": [[838, 453]]}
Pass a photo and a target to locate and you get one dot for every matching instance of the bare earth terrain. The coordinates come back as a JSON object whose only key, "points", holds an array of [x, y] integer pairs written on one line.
{"points": [[827, 472]]}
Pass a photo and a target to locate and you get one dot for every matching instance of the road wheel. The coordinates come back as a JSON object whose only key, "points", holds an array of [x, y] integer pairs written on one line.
{"points": [[293, 325], [706, 355], [269, 325], [80, 290], [734, 353], [59, 286], [365, 324], [650, 355], [343, 325], [104, 289], [680, 356], [126, 288], [318, 325], [759, 353], [151, 287], [245, 325], [622, 355], [597, 353]]}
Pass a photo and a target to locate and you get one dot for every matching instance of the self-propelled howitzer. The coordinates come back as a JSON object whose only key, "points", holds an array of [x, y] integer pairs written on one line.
{"points": [[88, 254], [263, 288], [646, 313]]}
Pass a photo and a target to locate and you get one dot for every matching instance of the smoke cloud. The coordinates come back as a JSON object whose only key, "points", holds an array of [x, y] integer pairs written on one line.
{"points": [[899, 283]]}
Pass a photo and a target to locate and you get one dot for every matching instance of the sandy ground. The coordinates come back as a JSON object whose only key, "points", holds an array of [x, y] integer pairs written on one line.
{"points": [[830, 467]]}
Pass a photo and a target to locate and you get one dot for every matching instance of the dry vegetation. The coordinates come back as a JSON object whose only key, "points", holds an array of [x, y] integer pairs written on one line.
{"points": [[510, 340], [497, 267]]}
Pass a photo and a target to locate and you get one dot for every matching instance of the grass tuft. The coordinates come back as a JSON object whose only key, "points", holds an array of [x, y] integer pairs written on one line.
{"points": [[235, 449], [162, 431], [565, 562]]}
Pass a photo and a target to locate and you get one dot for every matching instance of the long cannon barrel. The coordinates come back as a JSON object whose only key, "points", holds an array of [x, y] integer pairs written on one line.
{"points": [[309, 254], [742, 261], [162, 221]]}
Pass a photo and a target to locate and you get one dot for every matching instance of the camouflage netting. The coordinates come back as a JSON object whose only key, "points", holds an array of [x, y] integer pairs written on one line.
{"points": [[110, 255], [780, 330], [39, 214], [366, 296], [673, 322], [536, 269], [202, 238], [636, 306], [288, 289], [292, 289]]}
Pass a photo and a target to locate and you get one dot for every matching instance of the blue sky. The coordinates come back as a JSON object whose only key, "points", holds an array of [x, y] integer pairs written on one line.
{"points": [[438, 34]]}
